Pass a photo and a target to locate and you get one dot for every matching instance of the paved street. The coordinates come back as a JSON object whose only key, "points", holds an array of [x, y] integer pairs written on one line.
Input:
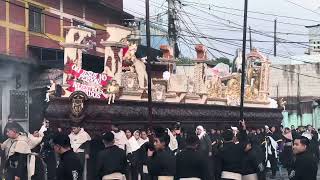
{"points": [[284, 175]]}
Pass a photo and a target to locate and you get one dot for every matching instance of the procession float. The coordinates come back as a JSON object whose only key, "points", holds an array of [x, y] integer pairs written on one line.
{"points": [[210, 96]]}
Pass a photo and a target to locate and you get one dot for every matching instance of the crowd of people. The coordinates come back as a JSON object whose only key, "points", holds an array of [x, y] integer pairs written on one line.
{"points": [[234, 153]]}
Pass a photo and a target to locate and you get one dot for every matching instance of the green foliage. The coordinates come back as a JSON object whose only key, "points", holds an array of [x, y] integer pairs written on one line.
{"points": [[184, 60], [214, 62]]}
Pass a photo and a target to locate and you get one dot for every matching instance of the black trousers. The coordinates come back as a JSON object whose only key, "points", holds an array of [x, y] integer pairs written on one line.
{"points": [[51, 162], [273, 163]]}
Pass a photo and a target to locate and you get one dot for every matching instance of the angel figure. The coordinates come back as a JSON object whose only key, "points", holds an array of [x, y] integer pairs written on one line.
{"points": [[50, 90], [282, 104], [112, 90]]}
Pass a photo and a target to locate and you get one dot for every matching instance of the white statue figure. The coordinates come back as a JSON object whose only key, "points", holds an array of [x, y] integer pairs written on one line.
{"points": [[112, 90], [50, 90], [140, 67], [109, 53], [237, 63]]}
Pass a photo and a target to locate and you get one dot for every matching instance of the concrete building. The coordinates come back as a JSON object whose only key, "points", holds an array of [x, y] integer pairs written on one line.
{"points": [[314, 39], [30, 36], [297, 81]]}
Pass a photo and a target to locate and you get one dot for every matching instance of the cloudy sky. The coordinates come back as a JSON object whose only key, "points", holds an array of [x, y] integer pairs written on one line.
{"points": [[220, 22]]}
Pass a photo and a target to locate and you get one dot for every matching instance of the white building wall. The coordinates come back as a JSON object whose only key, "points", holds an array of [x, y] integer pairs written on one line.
{"points": [[8, 82], [287, 82]]}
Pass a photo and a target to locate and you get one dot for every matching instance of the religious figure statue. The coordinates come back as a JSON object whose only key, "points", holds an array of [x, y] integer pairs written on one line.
{"points": [[215, 87], [140, 67], [233, 91], [112, 90], [237, 63], [250, 75], [282, 104], [50, 90]]}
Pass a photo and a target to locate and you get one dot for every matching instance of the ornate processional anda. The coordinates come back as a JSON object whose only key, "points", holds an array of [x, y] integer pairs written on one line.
{"points": [[125, 76]]}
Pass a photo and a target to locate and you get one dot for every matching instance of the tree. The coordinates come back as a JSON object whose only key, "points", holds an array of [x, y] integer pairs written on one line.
{"points": [[224, 60], [184, 60], [214, 62]]}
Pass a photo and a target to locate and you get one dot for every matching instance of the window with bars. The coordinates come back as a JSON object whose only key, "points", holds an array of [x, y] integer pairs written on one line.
{"points": [[19, 104], [36, 22]]}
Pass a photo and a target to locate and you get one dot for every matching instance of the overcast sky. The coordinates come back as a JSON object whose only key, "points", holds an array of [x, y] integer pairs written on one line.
{"points": [[222, 22]]}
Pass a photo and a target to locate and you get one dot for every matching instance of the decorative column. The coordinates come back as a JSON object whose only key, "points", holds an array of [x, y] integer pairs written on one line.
{"points": [[160, 86], [199, 69], [264, 80], [168, 57], [75, 43]]}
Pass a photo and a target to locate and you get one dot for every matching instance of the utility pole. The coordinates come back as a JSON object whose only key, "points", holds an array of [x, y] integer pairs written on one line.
{"points": [[244, 46], [150, 117], [250, 38], [172, 31], [275, 38]]}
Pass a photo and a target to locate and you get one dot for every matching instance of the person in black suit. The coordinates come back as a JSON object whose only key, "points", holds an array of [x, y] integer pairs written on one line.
{"points": [[190, 162], [162, 161], [305, 166], [112, 159]]}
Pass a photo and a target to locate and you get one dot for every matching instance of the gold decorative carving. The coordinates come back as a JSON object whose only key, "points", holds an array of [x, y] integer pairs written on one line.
{"points": [[130, 81], [215, 87], [233, 91], [158, 92]]}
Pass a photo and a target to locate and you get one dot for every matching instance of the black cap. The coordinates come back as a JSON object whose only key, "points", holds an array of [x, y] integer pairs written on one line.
{"points": [[108, 137], [62, 140]]}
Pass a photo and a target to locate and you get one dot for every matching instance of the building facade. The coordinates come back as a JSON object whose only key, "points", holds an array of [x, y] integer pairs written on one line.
{"points": [[31, 32], [299, 86], [314, 39]]}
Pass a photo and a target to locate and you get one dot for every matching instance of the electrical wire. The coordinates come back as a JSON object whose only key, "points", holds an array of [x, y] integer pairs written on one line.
{"points": [[254, 12]]}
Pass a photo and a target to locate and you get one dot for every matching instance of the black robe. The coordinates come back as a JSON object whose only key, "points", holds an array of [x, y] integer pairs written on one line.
{"points": [[16, 165], [48, 154], [206, 145], [230, 156], [162, 163], [191, 163], [286, 156], [111, 160], [253, 162], [70, 167]]}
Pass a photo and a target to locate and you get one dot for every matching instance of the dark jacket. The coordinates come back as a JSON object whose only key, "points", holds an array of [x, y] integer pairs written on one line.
{"points": [[16, 165], [253, 161], [191, 163], [205, 145], [162, 163], [69, 167], [314, 149], [230, 156], [111, 160], [305, 167]]}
